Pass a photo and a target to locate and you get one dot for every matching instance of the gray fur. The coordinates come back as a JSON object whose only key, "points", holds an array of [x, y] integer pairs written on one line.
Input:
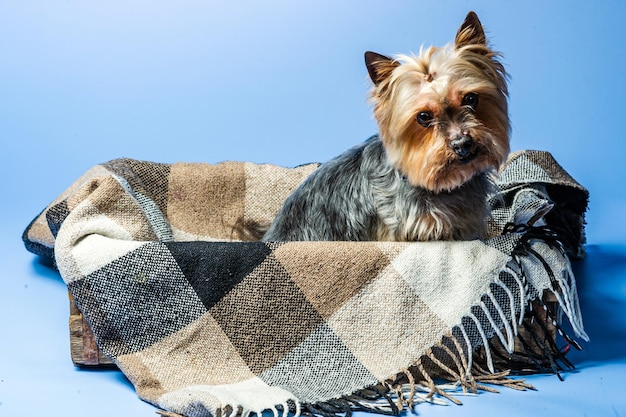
{"points": [[358, 196]]}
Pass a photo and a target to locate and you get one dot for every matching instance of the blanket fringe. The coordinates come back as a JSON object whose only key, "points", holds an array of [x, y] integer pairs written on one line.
{"points": [[511, 332]]}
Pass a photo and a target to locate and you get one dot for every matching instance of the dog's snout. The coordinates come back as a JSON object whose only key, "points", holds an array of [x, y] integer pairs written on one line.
{"points": [[462, 146]]}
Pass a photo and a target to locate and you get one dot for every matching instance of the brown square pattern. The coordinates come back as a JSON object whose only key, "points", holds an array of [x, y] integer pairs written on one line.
{"points": [[207, 200], [330, 275], [266, 316]]}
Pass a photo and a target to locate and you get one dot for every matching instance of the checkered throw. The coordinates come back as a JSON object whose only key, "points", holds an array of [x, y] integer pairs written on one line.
{"points": [[205, 320]]}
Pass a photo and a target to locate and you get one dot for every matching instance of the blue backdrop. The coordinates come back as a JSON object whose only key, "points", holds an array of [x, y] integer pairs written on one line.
{"points": [[284, 82]]}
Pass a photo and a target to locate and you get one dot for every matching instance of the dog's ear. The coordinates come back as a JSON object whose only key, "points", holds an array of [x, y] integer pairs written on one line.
{"points": [[471, 32], [379, 66]]}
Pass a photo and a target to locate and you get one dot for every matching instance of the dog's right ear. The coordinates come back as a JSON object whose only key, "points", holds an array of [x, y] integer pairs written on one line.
{"points": [[379, 66], [471, 32]]}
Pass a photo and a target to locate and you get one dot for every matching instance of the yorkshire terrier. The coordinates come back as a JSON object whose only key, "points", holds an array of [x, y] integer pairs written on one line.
{"points": [[443, 131]]}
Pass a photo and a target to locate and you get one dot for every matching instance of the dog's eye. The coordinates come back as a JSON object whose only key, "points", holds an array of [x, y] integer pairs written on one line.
{"points": [[470, 100], [425, 118]]}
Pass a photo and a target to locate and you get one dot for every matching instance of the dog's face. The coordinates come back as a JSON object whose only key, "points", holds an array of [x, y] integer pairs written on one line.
{"points": [[443, 114]]}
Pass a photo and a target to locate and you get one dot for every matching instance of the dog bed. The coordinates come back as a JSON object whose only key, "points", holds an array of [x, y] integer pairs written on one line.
{"points": [[165, 264]]}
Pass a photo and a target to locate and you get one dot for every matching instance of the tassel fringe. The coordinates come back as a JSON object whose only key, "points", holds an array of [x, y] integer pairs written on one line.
{"points": [[512, 331]]}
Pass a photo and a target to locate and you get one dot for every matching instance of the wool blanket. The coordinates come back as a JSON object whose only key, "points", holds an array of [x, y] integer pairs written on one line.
{"points": [[205, 320]]}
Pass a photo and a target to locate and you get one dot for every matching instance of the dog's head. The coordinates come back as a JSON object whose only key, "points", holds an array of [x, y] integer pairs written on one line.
{"points": [[443, 114]]}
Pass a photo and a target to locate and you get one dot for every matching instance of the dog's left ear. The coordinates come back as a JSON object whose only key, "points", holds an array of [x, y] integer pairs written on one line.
{"points": [[471, 32], [379, 66]]}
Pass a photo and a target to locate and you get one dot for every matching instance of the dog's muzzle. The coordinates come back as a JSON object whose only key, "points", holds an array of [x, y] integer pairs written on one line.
{"points": [[464, 147]]}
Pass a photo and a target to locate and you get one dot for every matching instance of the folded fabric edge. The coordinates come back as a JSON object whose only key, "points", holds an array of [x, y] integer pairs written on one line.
{"points": [[34, 246]]}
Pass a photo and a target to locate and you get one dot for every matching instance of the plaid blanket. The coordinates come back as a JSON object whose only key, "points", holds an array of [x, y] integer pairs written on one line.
{"points": [[165, 264]]}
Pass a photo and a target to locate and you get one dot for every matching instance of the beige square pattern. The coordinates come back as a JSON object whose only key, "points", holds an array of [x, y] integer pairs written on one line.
{"points": [[267, 187], [386, 326], [175, 361]]}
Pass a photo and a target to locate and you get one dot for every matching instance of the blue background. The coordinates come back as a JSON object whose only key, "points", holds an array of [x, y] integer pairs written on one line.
{"points": [[83, 82]]}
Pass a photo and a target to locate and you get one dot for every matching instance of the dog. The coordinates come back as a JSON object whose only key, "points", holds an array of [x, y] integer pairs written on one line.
{"points": [[443, 132]]}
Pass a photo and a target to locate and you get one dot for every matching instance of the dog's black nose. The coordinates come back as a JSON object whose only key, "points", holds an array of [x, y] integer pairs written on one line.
{"points": [[463, 146]]}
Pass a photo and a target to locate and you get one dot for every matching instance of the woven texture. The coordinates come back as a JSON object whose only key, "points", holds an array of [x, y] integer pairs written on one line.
{"points": [[204, 320]]}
